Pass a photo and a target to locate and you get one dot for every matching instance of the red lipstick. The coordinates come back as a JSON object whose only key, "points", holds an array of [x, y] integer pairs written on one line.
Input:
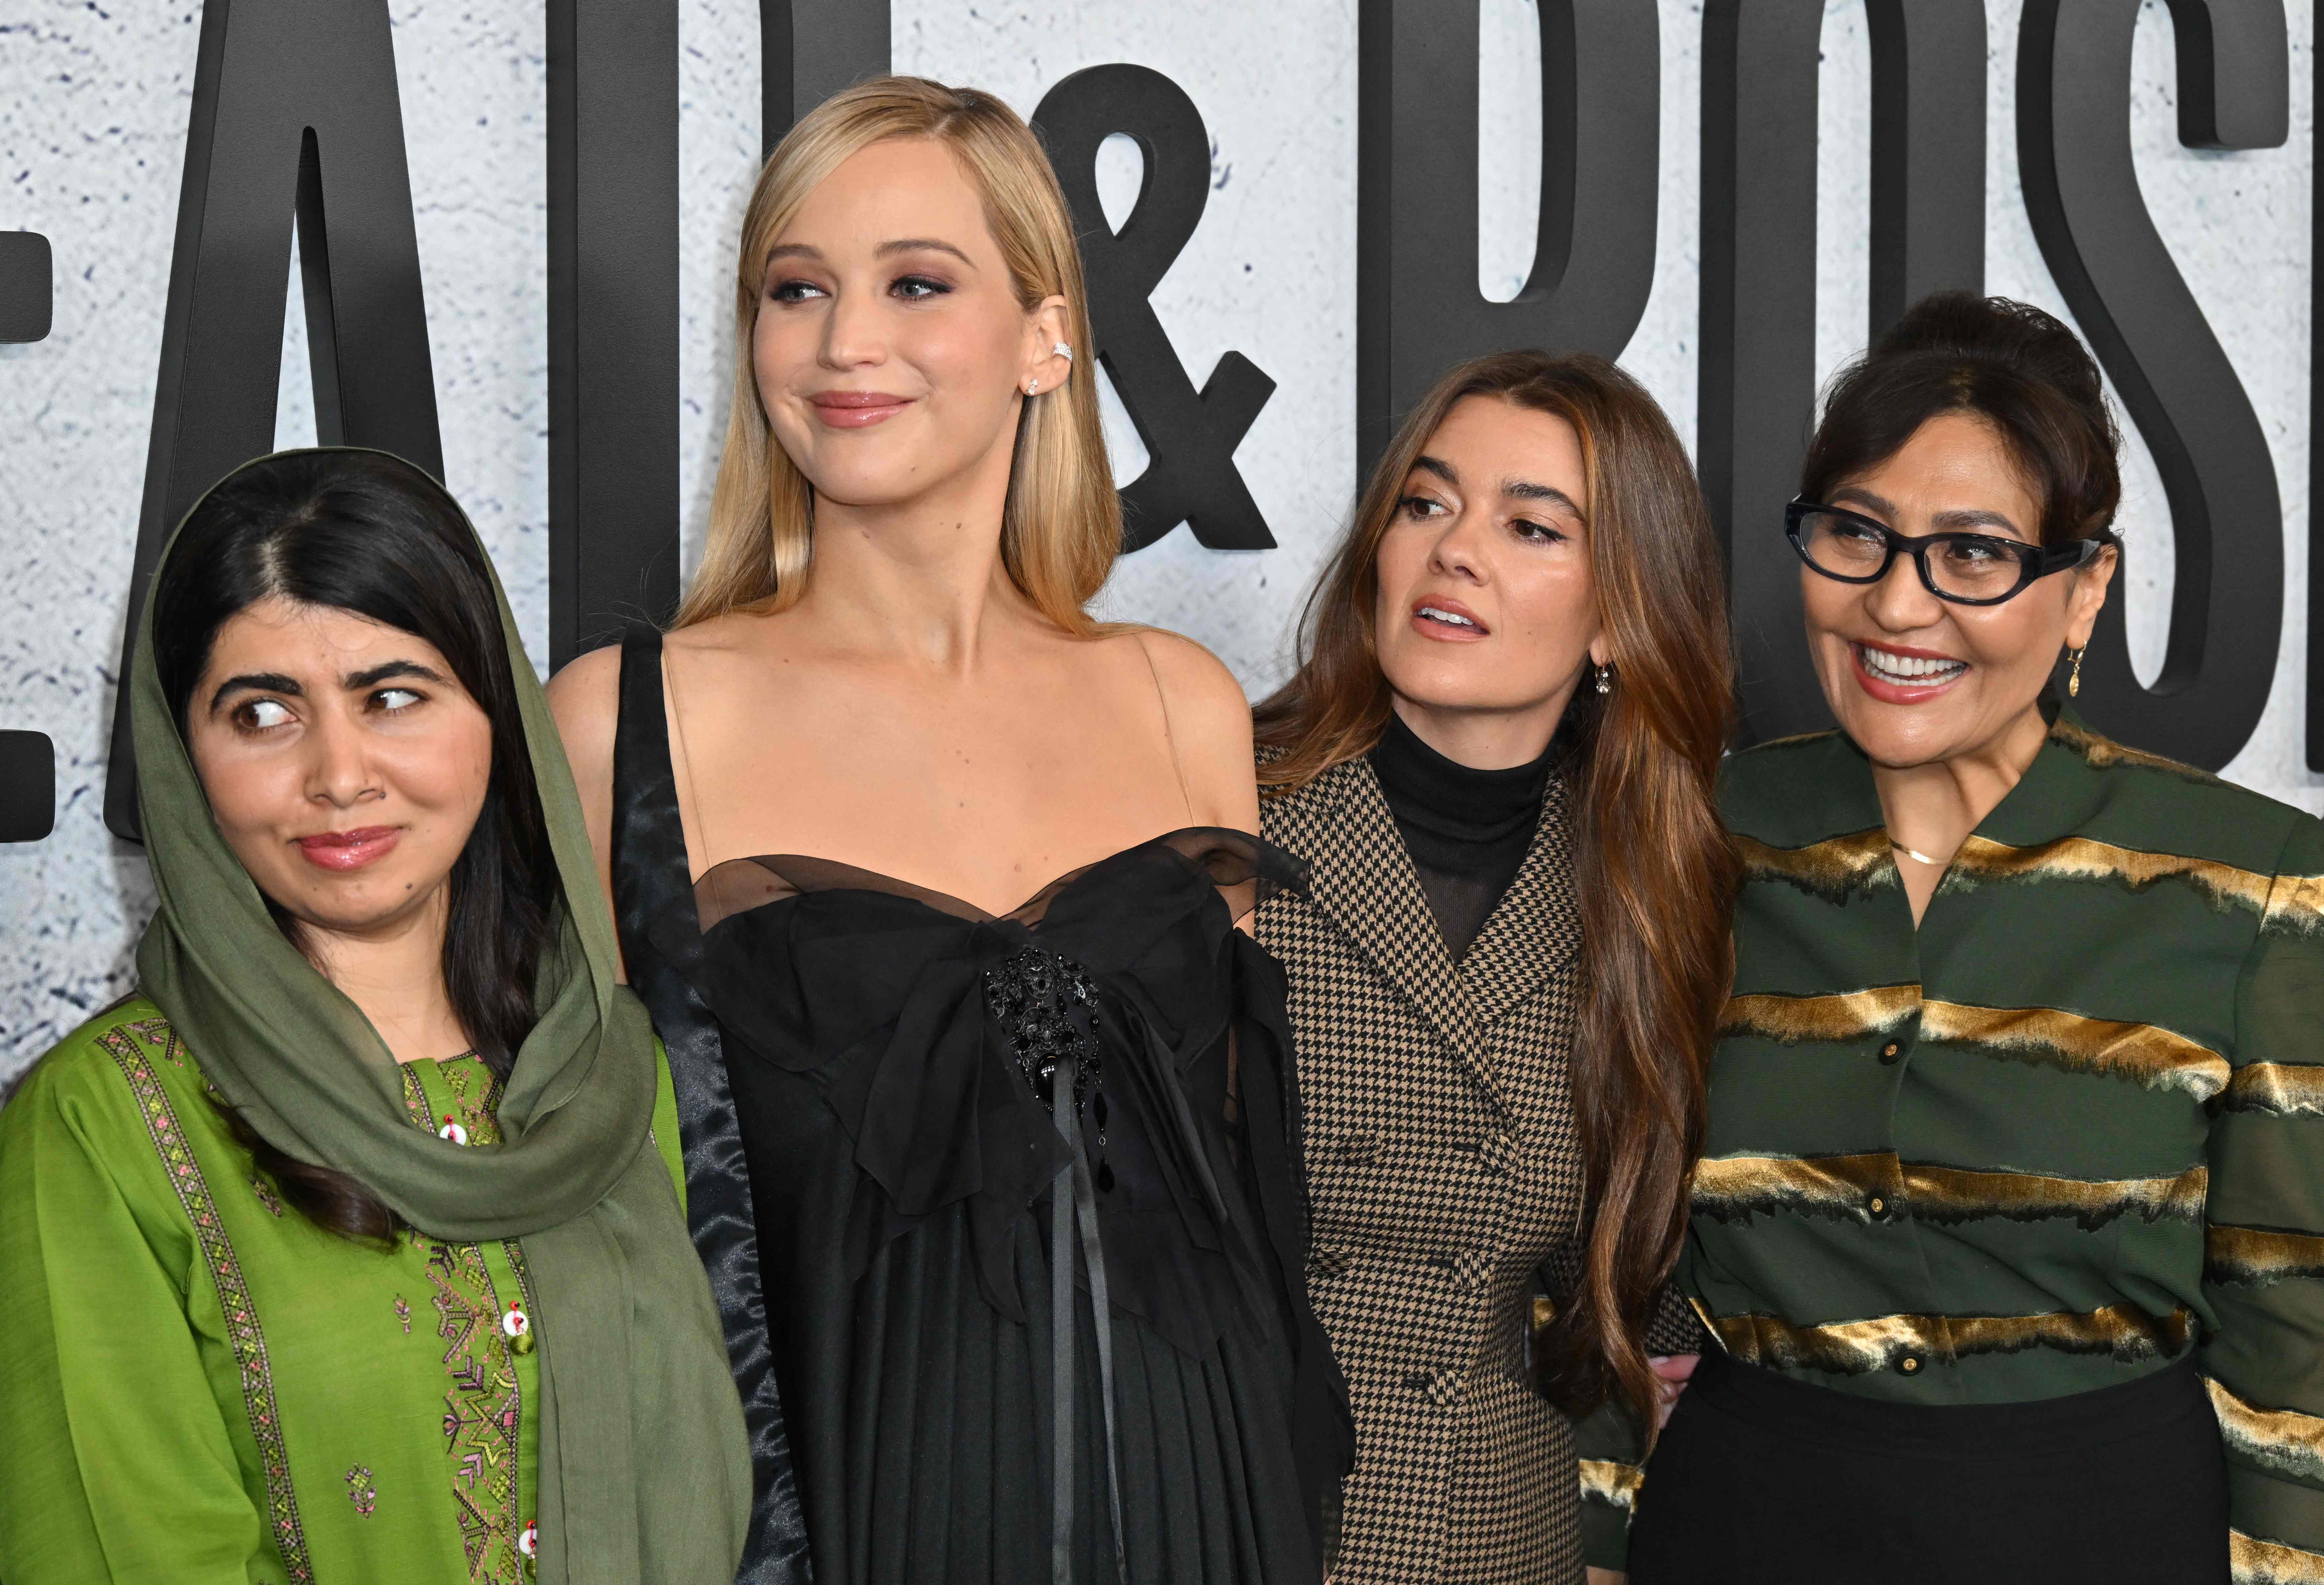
{"points": [[1882, 682], [350, 850]]}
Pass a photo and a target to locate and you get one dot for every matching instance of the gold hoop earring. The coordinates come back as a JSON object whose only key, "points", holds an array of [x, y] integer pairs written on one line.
{"points": [[2074, 678]]}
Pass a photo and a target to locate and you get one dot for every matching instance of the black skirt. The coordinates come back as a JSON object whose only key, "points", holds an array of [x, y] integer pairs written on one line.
{"points": [[1760, 1477]]}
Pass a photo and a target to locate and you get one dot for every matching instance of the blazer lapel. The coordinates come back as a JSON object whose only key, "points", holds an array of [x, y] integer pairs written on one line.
{"points": [[1363, 878], [1535, 928]]}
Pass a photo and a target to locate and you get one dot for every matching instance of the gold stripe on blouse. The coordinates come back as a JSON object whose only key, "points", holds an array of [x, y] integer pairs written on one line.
{"points": [[1863, 1188], [2282, 1440], [1732, 1186], [2084, 859], [2254, 1562], [2288, 1089], [2287, 904], [1957, 1195], [2103, 754], [1834, 869], [2147, 1053], [2260, 1254], [1854, 1348], [1850, 1015], [1606, 1482]]}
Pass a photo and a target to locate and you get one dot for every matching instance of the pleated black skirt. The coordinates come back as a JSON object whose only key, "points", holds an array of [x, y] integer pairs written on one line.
{"points": [[1760, 1477]]}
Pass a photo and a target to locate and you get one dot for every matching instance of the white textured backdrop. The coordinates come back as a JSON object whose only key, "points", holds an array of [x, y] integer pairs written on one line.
{"points": [[93, 109]]}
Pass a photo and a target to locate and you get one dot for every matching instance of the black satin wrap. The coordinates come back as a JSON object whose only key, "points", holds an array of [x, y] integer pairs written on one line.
{"points": [[651, 882], [900, 1164]]}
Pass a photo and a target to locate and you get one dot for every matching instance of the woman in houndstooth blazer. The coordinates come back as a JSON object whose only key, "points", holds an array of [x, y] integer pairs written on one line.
{"points": [[1496, 758]]}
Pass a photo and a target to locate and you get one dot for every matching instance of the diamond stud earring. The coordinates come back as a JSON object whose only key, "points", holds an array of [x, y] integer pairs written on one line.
{"points": [[1032, 387]]}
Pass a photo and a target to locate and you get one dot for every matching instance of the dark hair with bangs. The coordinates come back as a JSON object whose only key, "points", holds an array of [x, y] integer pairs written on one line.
{"points": [[364, 532], [2008, 363]]}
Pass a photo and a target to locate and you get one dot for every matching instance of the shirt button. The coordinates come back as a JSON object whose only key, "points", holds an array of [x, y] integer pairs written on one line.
{"points": [[1910, 1365], [1876, 1206], [1328, 1261], [1892, 1050]]}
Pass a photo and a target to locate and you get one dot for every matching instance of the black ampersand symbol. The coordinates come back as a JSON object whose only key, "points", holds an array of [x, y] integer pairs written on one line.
{"points": [[1190, 439]]}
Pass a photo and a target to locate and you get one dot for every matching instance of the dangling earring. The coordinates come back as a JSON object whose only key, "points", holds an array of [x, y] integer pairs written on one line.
{"points": [[2074, 678], [1606, 679]]}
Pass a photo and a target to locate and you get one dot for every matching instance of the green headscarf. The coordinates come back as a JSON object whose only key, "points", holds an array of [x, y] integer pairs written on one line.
{"points": [[644, 1473]]}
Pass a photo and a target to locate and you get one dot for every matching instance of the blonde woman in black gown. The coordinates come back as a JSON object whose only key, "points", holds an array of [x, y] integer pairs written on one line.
{"points": [[1001, 1024]]}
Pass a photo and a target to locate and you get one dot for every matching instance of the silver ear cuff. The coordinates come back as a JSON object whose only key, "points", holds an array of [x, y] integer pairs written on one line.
{"points": [[1064, 351]]}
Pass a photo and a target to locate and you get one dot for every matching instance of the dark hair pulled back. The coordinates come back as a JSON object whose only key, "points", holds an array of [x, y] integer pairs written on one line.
{"points": [[364, 532], [2008, 363]]}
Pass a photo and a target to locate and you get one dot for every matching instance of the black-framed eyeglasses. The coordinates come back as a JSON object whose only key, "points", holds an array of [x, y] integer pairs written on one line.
{"points": [[1967, 569]]}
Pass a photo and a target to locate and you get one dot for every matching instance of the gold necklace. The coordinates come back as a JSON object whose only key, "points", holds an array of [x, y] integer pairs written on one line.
{"points": [[1915, 853]]}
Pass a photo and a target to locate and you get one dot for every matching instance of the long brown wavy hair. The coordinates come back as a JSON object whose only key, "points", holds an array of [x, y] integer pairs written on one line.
{"points": [[1655, 872]]}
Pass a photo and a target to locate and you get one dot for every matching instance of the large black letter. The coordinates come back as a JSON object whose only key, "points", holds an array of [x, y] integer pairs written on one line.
{"points": [[2227, 520], [810, 50], [1928, 151], [27, 286], [1190, 437], [1757, 397], [2315, 451], [294, 106], [613, 281], [28, 761], [28, 786], [613, 317], [1417, 307]]}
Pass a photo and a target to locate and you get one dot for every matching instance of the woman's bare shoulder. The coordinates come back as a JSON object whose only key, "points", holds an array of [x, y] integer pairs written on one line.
{"points": [[585, 698], [736, 633], [1195, 683], [1209, 720]]}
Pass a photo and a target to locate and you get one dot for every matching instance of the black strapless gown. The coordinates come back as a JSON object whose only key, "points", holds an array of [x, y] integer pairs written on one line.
{"points": [[936, 1108]]}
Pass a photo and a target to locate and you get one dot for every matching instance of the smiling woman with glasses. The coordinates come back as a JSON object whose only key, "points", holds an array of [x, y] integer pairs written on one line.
{"points": [[2011, 1211]]}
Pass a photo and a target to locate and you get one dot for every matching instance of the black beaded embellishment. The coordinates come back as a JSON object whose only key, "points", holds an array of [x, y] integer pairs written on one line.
{"points": [[1047, 1007]]}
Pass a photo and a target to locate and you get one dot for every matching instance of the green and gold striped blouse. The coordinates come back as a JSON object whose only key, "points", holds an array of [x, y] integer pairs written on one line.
{"points": [[2070, 1128]]}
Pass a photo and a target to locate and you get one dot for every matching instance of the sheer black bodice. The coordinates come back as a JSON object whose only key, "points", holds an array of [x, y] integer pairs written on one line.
{"points": [[934, 1108]]}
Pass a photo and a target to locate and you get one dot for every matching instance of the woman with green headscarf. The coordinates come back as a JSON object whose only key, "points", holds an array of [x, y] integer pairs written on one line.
{"points": [[350, 1248]]}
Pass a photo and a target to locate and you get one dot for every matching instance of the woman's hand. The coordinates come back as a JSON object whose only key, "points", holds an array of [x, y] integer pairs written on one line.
{"points": [[1672, 1371]]}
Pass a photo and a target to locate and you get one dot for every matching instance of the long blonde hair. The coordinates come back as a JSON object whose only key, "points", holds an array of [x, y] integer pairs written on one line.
{"points": [[1061, 527]]}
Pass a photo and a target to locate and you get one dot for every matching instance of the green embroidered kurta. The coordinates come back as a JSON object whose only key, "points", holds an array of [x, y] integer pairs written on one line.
{"points": [[2065, 1131], [197, 1384]]}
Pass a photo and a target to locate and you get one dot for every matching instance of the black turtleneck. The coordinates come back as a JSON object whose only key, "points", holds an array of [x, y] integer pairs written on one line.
{"points": [[1468, 830]]}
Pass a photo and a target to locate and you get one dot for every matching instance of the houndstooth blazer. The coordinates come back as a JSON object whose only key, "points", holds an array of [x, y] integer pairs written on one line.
{"points": [[1443, 1169]]}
